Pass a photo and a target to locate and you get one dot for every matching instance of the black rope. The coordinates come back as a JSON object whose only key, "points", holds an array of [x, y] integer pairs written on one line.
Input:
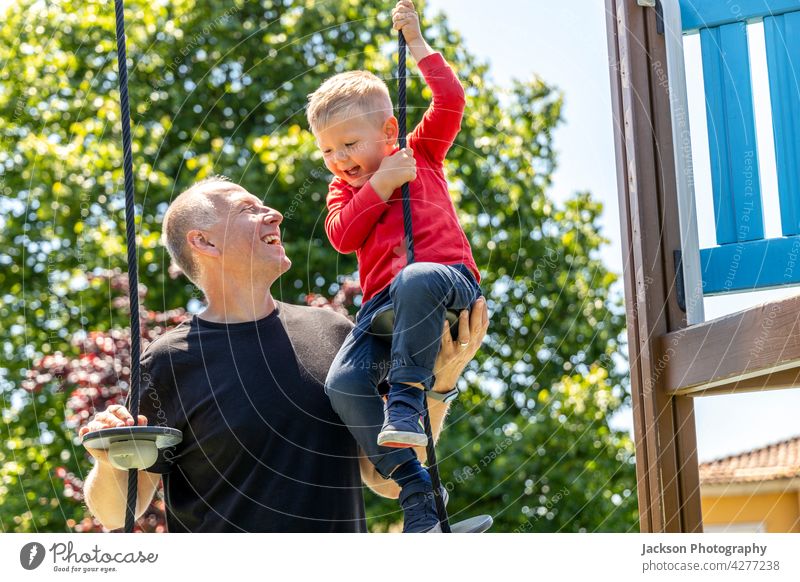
{"points": [[130, 233], [401, 120], [433, 467]]}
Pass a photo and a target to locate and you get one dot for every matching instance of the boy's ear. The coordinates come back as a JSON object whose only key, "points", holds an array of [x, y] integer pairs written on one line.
{"points": [[391, 129]]}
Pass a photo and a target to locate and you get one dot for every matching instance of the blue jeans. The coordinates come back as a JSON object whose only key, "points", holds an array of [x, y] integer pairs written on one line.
{"points": [[420, 294]]}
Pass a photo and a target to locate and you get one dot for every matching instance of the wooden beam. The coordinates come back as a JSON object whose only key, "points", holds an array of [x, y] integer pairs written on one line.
{"points": [[681, 426], [664, 431], [745, 351], [783, 380]]}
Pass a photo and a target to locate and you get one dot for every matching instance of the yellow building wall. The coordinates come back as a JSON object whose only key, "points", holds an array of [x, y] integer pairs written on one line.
{"points": [[780, 512]]}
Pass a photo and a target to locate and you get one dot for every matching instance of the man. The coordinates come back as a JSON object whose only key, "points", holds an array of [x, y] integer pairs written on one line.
{"points": [[262, 448]]}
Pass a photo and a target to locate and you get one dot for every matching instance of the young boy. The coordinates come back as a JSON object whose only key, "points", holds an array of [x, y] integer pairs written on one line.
{"points": [[351, 117]]}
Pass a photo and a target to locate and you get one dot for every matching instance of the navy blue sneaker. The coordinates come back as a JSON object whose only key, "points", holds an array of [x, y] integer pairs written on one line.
{"points": [[419, 511], [403, 427]]}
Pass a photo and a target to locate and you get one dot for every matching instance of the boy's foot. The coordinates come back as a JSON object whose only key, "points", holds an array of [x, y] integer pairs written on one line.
{"points": [[402, 428], [419, 511]]}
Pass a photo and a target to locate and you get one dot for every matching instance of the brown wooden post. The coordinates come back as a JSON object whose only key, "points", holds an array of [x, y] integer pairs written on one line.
{"points": [[664, 428]]}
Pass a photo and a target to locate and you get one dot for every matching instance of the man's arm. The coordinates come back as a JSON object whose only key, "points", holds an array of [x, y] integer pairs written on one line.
{"points": [[106, 492], [452, 359], [450, 362], [387, 487], [106, 488]]}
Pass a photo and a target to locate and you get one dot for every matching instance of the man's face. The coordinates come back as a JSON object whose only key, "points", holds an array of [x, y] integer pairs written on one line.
{"points": [[353, 147], [248, 234]]}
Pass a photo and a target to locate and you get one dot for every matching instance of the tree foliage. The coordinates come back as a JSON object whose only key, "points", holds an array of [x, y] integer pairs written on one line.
{"points": [[220, 88]]}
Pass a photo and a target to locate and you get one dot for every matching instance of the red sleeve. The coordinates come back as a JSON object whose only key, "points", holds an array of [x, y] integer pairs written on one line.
{"points": [[442, 121], [351, 215]]}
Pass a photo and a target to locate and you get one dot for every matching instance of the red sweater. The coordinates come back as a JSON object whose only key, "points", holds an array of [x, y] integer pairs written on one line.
{"points": [[358, 220]]}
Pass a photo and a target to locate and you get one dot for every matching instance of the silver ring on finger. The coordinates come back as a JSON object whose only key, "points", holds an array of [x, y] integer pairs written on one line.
{"points": [[463, 344]]}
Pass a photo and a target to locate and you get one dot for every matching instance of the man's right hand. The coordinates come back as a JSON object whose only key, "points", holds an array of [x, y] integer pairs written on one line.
{"points": [[106, 486], [394, 171], [115, 416]]}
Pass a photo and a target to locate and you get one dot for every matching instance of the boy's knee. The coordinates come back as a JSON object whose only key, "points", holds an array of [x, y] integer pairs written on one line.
{"points": [[347, 382], [415, 280]]}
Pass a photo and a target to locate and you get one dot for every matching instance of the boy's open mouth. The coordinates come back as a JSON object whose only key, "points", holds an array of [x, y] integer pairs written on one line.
{"points": [[353, 172]]}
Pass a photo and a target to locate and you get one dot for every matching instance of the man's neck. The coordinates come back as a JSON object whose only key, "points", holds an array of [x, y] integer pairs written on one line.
{"points": [[232, 303]]}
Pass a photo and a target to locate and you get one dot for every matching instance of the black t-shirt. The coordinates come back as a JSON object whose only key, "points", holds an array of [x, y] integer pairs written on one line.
{"points": [[262, 450]]}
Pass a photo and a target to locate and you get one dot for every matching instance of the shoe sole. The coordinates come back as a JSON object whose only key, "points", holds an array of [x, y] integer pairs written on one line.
{"points": [[401, 440]]}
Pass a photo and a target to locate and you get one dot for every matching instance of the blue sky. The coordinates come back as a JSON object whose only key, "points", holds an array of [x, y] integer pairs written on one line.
{"points": [[565, 44]]}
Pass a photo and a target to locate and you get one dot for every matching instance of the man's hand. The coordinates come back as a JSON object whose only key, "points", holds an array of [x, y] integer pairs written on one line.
{"points": [[455, 355], [405, 18], [394, 171], [106, 487], [115, 416]]}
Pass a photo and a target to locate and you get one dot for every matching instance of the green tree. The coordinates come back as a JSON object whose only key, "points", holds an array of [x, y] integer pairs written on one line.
{"points": [[220, 88]]}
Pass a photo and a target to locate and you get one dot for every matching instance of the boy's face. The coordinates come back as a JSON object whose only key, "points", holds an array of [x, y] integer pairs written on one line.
{"points": [[353, 147]]}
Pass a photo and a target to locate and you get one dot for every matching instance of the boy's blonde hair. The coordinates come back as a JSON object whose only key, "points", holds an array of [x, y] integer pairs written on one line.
{"points": [[352, 93]]}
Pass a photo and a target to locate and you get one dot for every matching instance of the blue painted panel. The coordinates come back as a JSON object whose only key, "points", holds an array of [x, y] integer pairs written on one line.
{"points": [[731, 134], [782, 34], [697, 14], [749, 266]]}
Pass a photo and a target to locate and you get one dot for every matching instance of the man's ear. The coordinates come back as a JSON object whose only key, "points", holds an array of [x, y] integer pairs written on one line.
{"points": [[199, 243], [391, 130]]}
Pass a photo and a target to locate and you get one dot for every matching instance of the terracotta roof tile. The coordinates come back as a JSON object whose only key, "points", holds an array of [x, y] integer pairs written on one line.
{"points": [[776, 461]]}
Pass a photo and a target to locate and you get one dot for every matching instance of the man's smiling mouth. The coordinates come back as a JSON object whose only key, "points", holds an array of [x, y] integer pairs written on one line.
{"points": [[272, 239]]}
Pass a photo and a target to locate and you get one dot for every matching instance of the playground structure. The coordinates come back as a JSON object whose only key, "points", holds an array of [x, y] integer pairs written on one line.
{"points": [[675, 355]]}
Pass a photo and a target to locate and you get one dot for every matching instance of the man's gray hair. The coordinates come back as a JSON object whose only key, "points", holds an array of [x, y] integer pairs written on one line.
{"points": [[193, 209]]}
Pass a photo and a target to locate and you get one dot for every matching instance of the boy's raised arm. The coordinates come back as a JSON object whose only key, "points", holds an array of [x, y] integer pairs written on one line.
{"points": [[437, 131]]}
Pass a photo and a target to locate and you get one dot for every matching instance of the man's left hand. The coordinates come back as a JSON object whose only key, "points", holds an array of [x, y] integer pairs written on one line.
{"points": [[455, 355]]}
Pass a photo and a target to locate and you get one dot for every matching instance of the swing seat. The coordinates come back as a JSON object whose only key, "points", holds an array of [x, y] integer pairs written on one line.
{"points": [[477, 524], [132, 447], [382, 323]]}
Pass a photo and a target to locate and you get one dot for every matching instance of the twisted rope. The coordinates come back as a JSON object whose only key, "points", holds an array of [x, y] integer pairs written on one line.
{"points": [[130, 234], [433, 467], [401, 120]]}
